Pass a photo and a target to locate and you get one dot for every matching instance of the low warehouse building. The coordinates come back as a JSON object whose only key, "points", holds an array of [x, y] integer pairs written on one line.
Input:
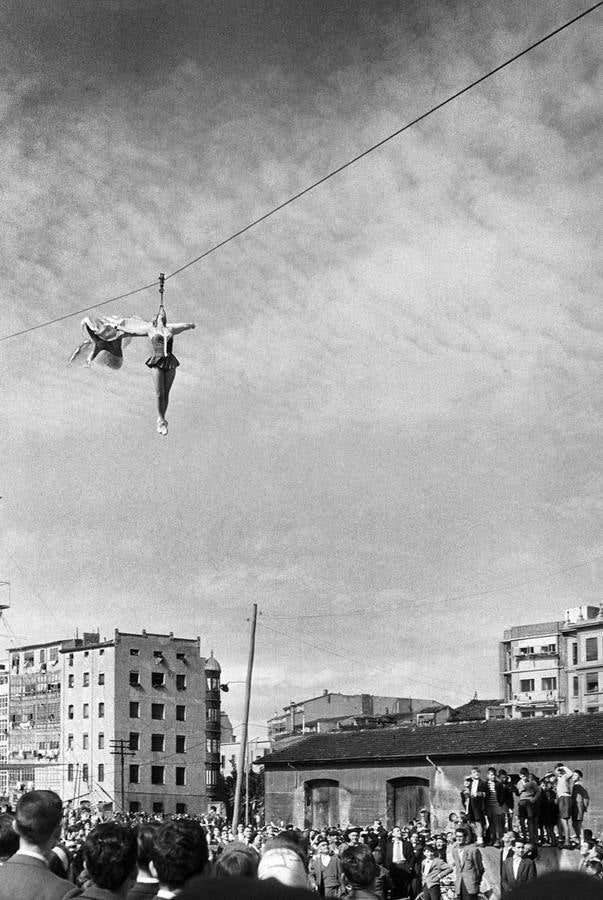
{"points": [[391, 773]]}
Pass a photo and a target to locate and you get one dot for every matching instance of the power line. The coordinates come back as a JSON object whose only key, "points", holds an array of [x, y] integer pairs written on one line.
{"points": [[320, 181]]}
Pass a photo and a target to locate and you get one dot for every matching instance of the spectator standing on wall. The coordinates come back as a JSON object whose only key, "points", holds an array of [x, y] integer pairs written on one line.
{"points": [[494, 809], [528, 792], [579, 803], [477, 804], [509, 792], [563, 789]]}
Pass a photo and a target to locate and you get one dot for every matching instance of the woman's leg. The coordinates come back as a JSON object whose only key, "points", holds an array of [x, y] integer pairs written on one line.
{"points": [[169, 375]]}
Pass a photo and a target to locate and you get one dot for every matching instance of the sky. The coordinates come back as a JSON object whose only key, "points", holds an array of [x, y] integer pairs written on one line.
{"points": [[385, 428]]}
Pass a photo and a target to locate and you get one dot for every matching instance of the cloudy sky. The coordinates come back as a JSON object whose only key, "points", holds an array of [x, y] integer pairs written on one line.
{"points": [[385, 430]]}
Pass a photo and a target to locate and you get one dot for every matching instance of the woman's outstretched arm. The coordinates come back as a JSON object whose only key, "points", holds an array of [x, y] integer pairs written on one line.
{"points": [[180, 327]]}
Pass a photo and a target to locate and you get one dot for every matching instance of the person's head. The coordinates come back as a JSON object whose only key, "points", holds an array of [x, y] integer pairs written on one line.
{"points": [[453, 818], [475, 773], [237, 861], [519, 847], [145, 833], [429, 851], [577, 775], [530, 851], [396, 832], [594, 867], [283, 864], [179, 852], [439, 842], [508, 838], [461, 836], [491, 774], [322, 846], [161, 317], [415, 839], [353, 836], [524, 773], [9, 839], [358, 866], [38, 818], [110, 855], [467, 781]]}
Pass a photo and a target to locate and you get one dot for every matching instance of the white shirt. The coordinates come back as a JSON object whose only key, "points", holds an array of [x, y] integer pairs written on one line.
{"points": [[516, 864], [397, 850]]}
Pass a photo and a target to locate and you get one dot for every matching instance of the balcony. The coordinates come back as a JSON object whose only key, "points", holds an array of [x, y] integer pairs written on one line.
{"points": [[536, 654], [531, 698]]}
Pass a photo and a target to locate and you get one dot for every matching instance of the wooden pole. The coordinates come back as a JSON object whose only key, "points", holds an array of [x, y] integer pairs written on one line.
{"points": [[243, 744]]}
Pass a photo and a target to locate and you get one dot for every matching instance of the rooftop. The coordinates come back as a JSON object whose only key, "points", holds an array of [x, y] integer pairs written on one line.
{"points": [[474, 711], [551, 735]]}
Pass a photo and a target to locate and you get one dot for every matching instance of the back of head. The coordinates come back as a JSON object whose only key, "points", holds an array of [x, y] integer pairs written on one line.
{"points": [[38, 816], [237, 861], [179, 852], [110, 855], [359, 866], [559, 886], [291, 840], [145, 834], [285, 865], [9, 839]]}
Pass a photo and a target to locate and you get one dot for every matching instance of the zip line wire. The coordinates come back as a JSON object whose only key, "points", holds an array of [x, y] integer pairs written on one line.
{"points": [[320, 181]]}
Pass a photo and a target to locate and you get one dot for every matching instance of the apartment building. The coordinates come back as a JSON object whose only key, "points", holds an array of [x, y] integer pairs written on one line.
{"points": [[553, 668], [131, 722]]}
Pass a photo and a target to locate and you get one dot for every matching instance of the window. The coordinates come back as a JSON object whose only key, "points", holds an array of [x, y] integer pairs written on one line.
{"points": [[575, 686], [134, 710], [101, 710], [213, 683], [157, 711], [53, 655], [134, 678], [134, 651], [592, 709], [591, 648], [101, 741], [134, 740], [86, 654], [158, 807], [101, 652], [101, 677], [212, 714], [134, 773], [549, 684], [180, 682], [70, 660], [70, 772], [180, 809], [70, 742], [134, 806], [70, 711], [212, 745], [85, 772], [157, 774], [85, 711], [85, 742], [180, 743], [592, 682], [526, 714], [157, 743], [575, 653], [158, 654], [211, 778], [180, 713], [101, 772], [158, 679], [180, 776], [70, 681], [526, 684], [86, 679], [181, 656]]}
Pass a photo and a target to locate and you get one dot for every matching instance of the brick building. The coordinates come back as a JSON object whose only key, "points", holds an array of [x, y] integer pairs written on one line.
{"points": [[127, 722], [325, 712], [355, 777]]}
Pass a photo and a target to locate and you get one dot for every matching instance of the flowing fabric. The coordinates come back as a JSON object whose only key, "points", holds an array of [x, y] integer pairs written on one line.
{"points": [[104, 335]]}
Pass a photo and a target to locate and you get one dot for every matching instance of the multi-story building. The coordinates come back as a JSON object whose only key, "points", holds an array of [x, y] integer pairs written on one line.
{"points": [[4, 728], [325, 713], [34, 711], [126, 722], [553, 668]]}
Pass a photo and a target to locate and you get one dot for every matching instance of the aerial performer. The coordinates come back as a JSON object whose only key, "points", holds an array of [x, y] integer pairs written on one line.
{"points": [[108, 333]]}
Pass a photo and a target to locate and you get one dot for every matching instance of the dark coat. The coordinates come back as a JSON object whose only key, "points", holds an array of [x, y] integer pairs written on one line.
{"points": [[27, 878], [526, 872]]}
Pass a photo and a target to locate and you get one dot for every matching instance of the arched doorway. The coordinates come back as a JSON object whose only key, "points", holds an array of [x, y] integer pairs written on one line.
{"points": [[405, 797], [322, 803]]}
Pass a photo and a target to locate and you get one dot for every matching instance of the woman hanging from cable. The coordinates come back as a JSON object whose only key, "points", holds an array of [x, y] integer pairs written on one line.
{"points": [[162, 362]]}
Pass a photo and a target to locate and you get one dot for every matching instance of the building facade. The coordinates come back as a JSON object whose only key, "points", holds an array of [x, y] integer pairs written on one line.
{"points": [[324, 713], [126, 723], [554, 668]]}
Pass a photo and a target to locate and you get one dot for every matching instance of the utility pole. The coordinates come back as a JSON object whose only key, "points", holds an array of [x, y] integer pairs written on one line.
{"points": [[118, 748], [243, 747]]}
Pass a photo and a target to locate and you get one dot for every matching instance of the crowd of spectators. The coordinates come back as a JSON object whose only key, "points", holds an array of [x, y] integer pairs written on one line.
{"points": [[49, 853]]}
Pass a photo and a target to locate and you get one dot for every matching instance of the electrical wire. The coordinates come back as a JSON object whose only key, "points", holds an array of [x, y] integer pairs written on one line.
{"points": [[320, 181]]}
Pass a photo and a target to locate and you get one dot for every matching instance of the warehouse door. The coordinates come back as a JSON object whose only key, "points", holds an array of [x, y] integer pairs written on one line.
{"points": [[322, 803], [406, 796]]}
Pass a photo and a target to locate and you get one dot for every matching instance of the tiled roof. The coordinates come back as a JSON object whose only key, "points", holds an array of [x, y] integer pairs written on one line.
{"points": [[550, 734], [475, 710]]}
